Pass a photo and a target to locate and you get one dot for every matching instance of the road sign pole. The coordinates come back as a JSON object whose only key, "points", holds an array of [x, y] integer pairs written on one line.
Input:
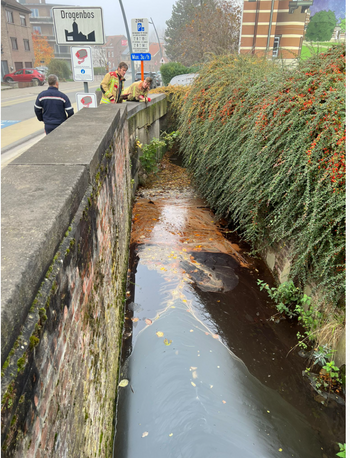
{"points": [[129, 41], [86, 87], [142, 73]]}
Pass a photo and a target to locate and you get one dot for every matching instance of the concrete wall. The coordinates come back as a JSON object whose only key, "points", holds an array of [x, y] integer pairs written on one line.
{"points": [[66, 207]]}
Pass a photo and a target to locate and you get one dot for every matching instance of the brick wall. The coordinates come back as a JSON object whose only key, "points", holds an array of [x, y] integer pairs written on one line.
{"points": [[59, 379]]}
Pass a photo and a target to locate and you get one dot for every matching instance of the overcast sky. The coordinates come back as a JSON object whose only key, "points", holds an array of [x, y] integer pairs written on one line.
{"points": [[158, 10]]}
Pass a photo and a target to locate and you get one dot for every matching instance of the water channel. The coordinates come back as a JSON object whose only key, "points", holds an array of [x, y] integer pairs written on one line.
{"points": [[207, 373]]}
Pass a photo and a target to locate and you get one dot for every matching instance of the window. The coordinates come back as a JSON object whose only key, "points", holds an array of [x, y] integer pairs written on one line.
{"points": [[35, 12], [19, 72], [26, 45], [23, 20], [9, 16], [112, 54], [14, 43], [276, 45], [28, 65], [28, 72], [37, 28], [19, 66], [64, 49]]}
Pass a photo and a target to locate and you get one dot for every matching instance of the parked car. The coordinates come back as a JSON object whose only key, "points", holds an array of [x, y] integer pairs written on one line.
{"points": [[43, 70], [183, 80], [25, 74], [146, 74]]}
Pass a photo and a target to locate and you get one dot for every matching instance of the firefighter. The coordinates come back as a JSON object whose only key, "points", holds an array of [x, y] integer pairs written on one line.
{"points": [[112, 85], [138, 91]]}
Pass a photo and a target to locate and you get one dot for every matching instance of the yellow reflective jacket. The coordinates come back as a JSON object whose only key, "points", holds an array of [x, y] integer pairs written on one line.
{"points": [[135, 90], [112, 87]]}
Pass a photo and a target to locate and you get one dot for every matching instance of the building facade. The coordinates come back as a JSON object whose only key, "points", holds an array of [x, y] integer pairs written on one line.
{"points": [[16, 37], [41, 21], [114, 48], [274, 28]]}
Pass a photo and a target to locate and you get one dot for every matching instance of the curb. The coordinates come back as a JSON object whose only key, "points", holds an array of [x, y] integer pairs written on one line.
{"points": [[21, 141]]}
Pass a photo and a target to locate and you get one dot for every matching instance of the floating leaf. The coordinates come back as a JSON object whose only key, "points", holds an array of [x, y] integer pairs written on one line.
{"points": [[172, 307], [194, 374], [207, 333], [135, 320], [184, 300], [148, 321], [171, 434], [160, 334], [124, 382], [268, 411], [280, 450], [193, 384], [192, 368], [191, 330], [216, 336], [145, 434], [224, 402], [167, 342], [211, 386]]}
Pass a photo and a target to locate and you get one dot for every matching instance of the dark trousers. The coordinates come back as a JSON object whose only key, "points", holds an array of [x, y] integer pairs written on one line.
{"points": [[49, 128]]}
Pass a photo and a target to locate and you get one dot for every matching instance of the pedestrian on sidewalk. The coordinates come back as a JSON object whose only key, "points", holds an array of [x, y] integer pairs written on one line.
{"points": [[52, 106], [138, 91], [112, 85]]}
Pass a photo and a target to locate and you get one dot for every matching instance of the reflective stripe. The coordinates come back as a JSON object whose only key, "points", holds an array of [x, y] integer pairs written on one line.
{"points": [[40, 108], [50, 97], [70, 108]]}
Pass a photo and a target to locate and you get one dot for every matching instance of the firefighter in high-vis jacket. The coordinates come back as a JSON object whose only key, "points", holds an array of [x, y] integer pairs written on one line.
{"points": [[112, 85], [138, 91]]}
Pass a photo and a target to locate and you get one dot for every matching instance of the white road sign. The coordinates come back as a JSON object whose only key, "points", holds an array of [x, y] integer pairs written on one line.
{"points": [[86, 100], [78, 26], [139, 35], [162, 61], [82, 63]]}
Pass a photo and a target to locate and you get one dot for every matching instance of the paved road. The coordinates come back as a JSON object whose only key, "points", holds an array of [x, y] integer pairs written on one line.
{"points": [[18, 123]]}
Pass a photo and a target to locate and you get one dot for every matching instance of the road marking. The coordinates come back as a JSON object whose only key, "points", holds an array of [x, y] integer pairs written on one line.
{"points": [[7, 123], [22, 129]]}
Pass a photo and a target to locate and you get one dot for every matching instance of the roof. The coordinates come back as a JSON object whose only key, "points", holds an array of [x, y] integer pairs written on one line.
{"points": [[15, 5]]}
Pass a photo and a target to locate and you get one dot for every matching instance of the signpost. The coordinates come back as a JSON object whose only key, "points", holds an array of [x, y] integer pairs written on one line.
{"points": [[82, 64], [86, 100], [78, 26], [140, 40]]}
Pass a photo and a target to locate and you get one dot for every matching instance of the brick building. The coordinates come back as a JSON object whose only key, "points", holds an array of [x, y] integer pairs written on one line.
{"points": [[16, 37], [41, 21], [274, 27], [115, 46], [154, 64]]}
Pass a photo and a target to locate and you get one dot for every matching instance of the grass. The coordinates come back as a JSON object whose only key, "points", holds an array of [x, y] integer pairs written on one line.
{"points": [[310, 48]]}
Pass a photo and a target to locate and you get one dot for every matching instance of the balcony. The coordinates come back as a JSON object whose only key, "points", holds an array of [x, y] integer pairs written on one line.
{"points": [[305, 4], [41, 20]]}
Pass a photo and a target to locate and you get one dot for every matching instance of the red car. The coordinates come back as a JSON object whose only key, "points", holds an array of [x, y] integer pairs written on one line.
{"points": [[25, 74]]}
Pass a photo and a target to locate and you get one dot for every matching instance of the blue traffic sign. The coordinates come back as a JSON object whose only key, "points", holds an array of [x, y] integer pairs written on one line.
{"points": [[82, 71], [141, 56]]}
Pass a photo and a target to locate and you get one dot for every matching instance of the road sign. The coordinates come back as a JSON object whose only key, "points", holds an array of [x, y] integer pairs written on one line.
{"points": [[82, 63], [86, 100], [141, 56], [78, 26], [162, 61], [139, 35]]}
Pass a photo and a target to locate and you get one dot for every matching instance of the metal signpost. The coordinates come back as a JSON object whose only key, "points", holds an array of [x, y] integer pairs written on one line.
{"points": [[79, 27], [140, 40]]}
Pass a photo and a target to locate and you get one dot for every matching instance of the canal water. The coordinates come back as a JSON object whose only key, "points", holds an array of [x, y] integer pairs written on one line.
{"points": [[205, 371]]}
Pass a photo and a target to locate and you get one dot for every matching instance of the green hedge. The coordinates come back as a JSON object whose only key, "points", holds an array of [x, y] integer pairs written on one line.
{"points": [[266, 146], [172, 69]]}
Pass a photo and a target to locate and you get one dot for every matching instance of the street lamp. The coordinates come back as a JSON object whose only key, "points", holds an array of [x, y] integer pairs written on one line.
{"points": [[129, 41], [160, 48]]}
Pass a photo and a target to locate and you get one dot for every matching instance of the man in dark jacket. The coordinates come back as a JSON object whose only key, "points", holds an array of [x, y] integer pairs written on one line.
{"points": [[52, 106]]}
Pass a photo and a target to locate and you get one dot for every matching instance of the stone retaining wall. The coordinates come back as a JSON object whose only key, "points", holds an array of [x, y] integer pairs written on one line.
{"points": [[66, 207]]}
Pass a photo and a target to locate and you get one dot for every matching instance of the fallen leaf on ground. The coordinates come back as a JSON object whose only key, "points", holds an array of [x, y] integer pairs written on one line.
{"points": [[160, 334], [124, 382]]}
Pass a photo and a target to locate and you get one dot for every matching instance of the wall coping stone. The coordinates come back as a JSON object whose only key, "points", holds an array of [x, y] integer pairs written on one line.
{"points": [[41, 192]]}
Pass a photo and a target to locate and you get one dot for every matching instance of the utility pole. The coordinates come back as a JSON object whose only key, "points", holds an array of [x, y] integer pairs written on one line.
{"points": [[160, 48], [129, 41]]}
